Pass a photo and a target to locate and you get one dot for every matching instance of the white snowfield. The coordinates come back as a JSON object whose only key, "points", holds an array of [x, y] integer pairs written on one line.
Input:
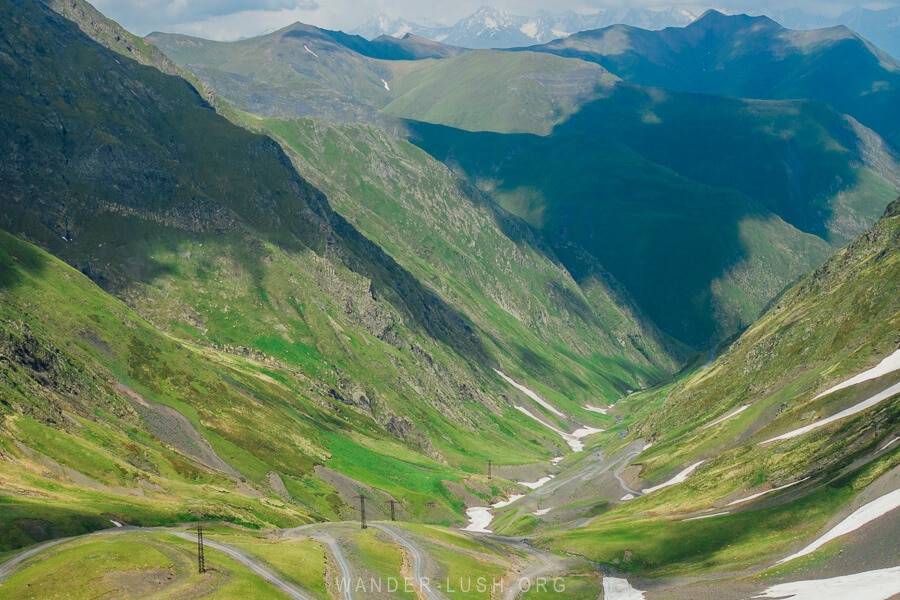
{"points": [[680, 478], [733, 413], [480, 516], [530, 394], [596, 409], [866, 513], [870, 585], [615, 588], [888, 365], [718, 514], [305, 47], [877, 398], [386, 86], [573, 439], [755, 496], [536, 484]]}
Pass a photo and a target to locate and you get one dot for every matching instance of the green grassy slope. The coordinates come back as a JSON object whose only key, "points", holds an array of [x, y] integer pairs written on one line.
{"points": [[105, 418], [839, 321], [487, 90]]}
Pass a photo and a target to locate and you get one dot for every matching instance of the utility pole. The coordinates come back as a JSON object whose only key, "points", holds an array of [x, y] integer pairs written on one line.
{"points": [[393, 514], [489, 471], [201, 559], [362, 511]]}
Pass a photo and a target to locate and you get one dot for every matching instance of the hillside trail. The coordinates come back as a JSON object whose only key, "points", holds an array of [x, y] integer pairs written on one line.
{"points": [[419, 560], [251, 564], [12, 565], [320, 533]]}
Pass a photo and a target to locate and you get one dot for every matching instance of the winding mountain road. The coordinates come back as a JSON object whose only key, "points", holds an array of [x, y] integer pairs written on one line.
{"points": [[11, 566], [250, 563], [419, 560], [317, 533], [543, 565]]}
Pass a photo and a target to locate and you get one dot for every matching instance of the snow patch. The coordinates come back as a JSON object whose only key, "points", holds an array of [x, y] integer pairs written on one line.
{"points": [[860, 517], [880, 397], [680, 478], [583, 432], [530, 29], [305, 47], [627, 497], [647, 446], [556, 460], [541, 512], [480, 516], [888, 365], [536, 484], [889, 444], [733, 413], [615, 588], [596, 409], [718, 514], [530, 394], [869, 585], [754, 496], [386, 86], [116, 523], [573, 439], [508, 501]]}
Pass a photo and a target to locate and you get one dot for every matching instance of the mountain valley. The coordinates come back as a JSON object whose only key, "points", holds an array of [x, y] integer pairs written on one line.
{"points": [[278, 286]]}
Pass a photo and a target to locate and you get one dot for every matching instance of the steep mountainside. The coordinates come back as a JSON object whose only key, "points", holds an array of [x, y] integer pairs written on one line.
{"points": [[301, 70], [763, 417], [752, 57], [488, 263], [702, 207]]}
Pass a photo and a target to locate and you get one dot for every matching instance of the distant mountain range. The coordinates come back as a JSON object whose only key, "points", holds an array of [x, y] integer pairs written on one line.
{"points": [[495, 28]]}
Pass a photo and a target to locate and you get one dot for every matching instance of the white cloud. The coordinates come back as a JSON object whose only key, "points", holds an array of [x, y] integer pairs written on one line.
{"points": [[144, 16]]}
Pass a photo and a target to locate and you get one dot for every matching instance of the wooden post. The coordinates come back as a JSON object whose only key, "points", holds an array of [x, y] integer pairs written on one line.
{"points": [[201, 559], [362, 511]]}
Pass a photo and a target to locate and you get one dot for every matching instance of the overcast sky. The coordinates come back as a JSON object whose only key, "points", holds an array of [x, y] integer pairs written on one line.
{"points": [[232, 19]]}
